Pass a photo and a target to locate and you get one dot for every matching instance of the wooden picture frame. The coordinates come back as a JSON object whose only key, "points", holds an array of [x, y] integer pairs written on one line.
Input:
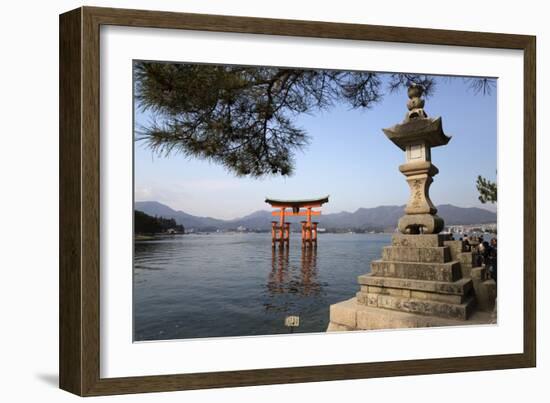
{"points": [[80, 199]]}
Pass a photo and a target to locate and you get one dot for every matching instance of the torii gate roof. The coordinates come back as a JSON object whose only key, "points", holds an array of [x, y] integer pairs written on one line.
{"points": [[297, 203]]}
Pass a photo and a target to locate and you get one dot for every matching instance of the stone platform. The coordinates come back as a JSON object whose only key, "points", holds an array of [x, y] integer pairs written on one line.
{"points": [[420, 281], [350, 315]]}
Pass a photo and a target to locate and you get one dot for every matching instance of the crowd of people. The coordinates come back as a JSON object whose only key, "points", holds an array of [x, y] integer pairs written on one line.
{"points": [[486, 252]]}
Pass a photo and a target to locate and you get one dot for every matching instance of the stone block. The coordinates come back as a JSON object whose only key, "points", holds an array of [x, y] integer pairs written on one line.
{"points": [[419, 241], [486, 294], [467, 258], [467, 262], [485, 289], [427, 307], [362, 297], [370, 318], [414, 254], [373, 289], [366, 298], [433, 296], [399, 292], [479, 273], [462, 286], [373, 292], [344, 313], [455, 247], [419, 271]]}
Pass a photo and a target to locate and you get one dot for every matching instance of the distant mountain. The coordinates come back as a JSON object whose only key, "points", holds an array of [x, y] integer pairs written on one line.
{"points": [[454, 215], [372, 218], [376, 218], [258, 220], [189, 221]]}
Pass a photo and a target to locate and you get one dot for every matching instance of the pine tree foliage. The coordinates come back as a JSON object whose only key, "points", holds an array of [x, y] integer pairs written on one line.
{"points": [[487, 190], [242, 117]]}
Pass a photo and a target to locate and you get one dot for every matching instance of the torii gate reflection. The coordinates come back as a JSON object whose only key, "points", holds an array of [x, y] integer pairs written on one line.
{"points": [[280, 230], [292, 281]]}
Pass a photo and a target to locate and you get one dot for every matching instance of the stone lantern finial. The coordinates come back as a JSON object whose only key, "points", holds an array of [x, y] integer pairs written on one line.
{"points": [[415, 104]]}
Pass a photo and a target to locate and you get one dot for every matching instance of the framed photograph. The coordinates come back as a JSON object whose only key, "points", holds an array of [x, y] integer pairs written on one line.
{"points": [[248, 201]]}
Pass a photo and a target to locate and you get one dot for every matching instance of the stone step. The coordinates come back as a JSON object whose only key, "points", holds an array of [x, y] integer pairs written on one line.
{"points": [[402, 292], [418, 305], [419, 241], [449, 271], [414, 254], [462, 286]]}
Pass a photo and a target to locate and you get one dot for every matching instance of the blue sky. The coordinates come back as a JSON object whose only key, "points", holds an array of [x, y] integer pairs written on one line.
{"points": [[348, 158]]}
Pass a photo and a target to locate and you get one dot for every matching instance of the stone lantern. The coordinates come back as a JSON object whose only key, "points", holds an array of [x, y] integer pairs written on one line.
{"points": [[416, 136], [423, 278]]}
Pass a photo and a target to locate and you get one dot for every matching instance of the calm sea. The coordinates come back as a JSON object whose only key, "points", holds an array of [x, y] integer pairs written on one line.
{"points": [[215, 285]]}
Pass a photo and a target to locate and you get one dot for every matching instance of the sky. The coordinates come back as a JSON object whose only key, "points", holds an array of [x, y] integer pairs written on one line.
{"points": [[349, 158]]}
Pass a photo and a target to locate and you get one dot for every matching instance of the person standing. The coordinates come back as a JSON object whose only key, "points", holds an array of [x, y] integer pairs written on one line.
{"points": [[466, 242], [492, 259]]}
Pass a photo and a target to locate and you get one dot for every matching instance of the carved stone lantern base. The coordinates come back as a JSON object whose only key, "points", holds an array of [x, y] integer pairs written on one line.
{"points": [[420, 224], [420, 212]]}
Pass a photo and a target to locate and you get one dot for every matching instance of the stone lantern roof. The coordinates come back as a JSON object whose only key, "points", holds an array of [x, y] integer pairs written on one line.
{"points": [[417, 128]]}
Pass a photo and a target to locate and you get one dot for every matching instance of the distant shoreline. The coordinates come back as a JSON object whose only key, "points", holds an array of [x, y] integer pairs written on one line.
{"points": [[156, 237]]}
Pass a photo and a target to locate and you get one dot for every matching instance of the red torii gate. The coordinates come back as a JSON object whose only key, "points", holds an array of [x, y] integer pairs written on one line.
{"points": [[280, 230]]}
